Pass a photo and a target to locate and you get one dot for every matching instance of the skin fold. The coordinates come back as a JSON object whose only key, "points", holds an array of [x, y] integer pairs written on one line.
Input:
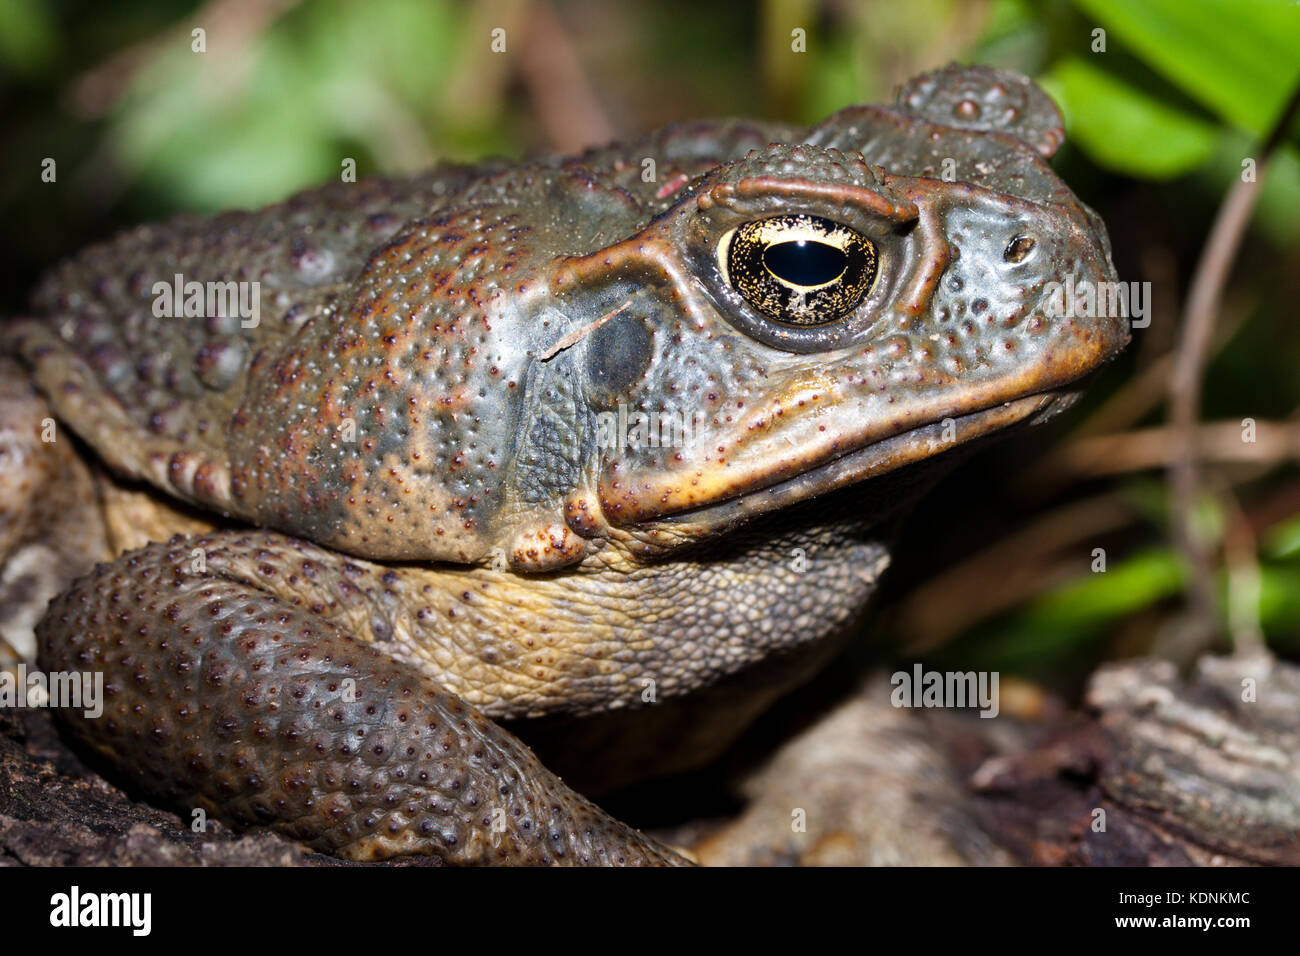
{"points": [[341, 539]]}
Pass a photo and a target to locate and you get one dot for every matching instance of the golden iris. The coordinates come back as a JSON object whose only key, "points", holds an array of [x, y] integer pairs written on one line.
{"points": [[799, 269]]}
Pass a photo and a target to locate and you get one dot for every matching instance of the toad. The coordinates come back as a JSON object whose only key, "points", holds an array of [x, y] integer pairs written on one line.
{"points": [[618, 438]]}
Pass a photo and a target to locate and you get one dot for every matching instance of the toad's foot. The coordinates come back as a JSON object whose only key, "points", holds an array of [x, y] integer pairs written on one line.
{"points": [[232, 687]]}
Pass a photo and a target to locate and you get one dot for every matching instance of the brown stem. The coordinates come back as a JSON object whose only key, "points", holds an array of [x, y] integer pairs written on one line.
{"points": [[1186, 381], [557, 85], [1161, 447]]}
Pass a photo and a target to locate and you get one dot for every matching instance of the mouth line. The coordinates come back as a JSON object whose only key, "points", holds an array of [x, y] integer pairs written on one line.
{"points": [[876, 458]]}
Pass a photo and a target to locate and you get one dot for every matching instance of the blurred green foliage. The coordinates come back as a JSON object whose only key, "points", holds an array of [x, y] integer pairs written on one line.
{"points": [[274, 103]]}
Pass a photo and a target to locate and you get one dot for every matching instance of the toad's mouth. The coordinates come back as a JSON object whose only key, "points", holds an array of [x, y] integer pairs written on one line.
{"points": [[885, 455]]}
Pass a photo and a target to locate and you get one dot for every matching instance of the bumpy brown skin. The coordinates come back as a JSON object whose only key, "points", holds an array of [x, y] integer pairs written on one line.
{"points": [[263, 711], [424, 388]]}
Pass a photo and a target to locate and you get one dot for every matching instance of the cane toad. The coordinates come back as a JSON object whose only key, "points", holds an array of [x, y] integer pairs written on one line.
{"points": [[614, 436]]}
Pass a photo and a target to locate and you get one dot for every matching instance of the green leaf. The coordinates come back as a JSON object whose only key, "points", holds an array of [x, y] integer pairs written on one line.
{"points": [[1079, 610], [1279, 605], [1237, 57], [1283, 540], [1124, 127], [28, 36], [1279, 197]]}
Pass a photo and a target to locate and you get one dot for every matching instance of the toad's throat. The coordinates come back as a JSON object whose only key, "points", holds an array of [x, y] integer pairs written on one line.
{"points": [[885, 455]]}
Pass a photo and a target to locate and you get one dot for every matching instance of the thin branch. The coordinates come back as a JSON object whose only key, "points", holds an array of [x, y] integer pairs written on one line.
{"points": [[577, 335], [1163, 446], [552, 73], [1245, 579], [1186, 382]]}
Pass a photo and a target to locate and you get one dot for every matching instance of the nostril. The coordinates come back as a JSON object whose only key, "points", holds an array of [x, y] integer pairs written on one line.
{"points": [[1019, 248]]}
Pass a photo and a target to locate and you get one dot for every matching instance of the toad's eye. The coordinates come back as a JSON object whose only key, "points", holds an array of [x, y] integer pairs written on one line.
{"points": [[802, 270]]}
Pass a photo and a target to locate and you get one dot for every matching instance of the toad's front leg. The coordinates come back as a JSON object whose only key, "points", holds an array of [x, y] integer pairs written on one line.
{"points": [[241, 677]]}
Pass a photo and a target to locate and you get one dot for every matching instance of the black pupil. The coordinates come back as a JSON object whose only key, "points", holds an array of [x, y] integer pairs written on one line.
{"points": [[803, 262]]}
